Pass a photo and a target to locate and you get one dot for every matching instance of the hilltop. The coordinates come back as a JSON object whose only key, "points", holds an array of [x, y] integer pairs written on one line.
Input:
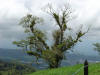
{"points": [[94, 69]]}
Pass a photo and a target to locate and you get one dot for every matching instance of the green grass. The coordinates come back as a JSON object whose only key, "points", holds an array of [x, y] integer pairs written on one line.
{"points": [[94, 69]]}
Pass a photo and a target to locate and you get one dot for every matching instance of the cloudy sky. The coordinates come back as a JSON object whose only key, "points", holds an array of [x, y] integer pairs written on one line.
{"points": [[85, 12]]}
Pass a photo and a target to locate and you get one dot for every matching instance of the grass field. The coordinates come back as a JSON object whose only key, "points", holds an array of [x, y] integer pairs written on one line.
{"points": [[94, 69]]}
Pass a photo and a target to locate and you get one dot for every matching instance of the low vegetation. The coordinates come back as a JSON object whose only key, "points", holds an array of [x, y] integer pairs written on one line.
{"points": [[7, 68]]}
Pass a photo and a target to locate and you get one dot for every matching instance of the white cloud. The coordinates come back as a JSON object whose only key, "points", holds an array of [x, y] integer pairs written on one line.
{"points": [[85, 12]]}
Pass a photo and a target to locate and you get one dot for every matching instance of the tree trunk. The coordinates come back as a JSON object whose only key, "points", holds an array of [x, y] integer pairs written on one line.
{"points": [[56, 64]]}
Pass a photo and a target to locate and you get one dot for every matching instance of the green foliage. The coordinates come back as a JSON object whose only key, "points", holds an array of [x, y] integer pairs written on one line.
{"points": [[56, 17], [35, 43], [14, 68], [20, 43], [64, 27], [97, 47]]}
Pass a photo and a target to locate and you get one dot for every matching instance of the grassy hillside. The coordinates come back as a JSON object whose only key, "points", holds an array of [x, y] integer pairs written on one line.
{"points": [[94, 69], [9, 68]]}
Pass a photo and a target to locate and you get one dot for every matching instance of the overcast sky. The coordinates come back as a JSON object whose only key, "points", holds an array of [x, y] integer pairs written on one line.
{"points": [[84, 12]]}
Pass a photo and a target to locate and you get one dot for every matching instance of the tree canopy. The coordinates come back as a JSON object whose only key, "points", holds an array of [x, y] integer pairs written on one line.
{"points": [[35, 42]]}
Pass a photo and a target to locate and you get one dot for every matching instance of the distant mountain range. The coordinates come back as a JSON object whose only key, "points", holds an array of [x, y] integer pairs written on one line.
{"points": [[21, 56], [14, 55]]}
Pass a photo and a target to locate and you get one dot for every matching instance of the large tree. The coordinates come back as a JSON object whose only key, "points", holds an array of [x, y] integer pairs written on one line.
{"points": [[35, 42]]}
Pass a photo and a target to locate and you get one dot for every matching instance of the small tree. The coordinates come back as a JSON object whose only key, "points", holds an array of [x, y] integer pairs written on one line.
{"points": [[35, 42], [97, 47]]}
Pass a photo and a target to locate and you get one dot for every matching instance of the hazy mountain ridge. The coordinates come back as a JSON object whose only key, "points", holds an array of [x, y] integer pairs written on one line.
{"points": [[21, 56]]}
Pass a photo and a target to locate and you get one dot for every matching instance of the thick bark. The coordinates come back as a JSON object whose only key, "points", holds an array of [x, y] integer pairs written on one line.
{"points": [[57, 62]]}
